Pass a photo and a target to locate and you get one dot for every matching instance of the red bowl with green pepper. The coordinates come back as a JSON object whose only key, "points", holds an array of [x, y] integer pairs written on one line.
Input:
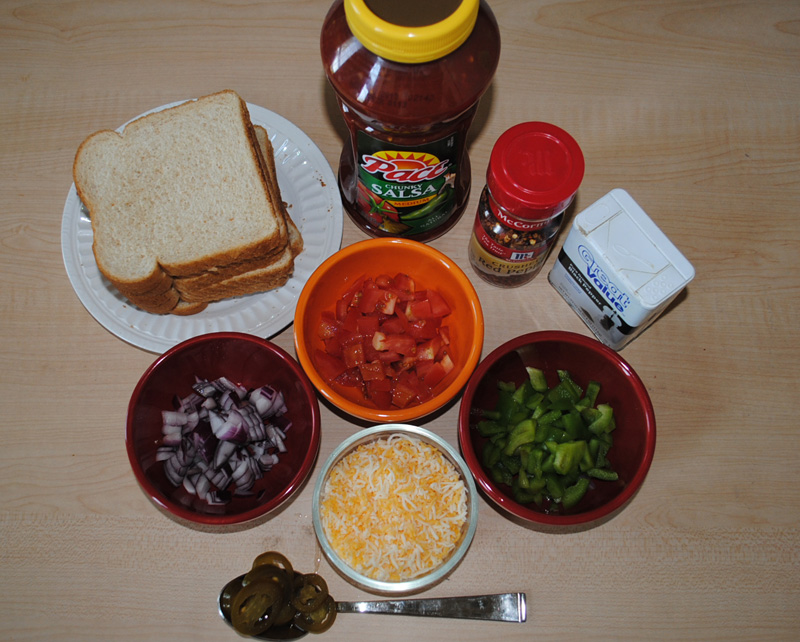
{"points": [[596, 484]]}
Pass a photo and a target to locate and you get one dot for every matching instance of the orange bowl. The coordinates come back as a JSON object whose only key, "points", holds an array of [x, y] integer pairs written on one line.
{"points": [[430, 269]]}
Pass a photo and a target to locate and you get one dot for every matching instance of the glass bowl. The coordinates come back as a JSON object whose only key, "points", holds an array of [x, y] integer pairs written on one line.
{"points": [[467, 530]]}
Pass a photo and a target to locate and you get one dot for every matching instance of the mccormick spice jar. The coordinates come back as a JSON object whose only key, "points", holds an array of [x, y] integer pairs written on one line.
{"points": [[534, 172], [408, 77]]}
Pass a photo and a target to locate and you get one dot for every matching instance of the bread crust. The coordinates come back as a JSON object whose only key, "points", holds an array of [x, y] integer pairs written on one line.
{"points": [[184, 286]]}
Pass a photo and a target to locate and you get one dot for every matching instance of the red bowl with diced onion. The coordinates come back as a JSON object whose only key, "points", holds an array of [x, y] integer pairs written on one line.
{"points": [[438, 293], [586, 359], [223, 428]]}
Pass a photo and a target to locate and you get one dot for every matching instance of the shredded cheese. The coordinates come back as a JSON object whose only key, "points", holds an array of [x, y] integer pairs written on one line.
{"points": [[394, 508]]}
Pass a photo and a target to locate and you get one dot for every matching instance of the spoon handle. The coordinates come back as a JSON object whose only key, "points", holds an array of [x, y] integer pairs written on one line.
{"points": [[504, 607]]}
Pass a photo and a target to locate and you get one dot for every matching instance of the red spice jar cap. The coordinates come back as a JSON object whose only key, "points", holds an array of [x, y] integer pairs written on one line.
{"points": [[535, 170]]}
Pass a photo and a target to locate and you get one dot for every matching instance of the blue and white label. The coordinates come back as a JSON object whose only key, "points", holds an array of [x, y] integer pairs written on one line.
{"points": [[613, 294]]}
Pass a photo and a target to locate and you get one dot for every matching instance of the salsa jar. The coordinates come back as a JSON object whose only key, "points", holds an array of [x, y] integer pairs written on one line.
{"points": [[408, 77], [534, 172]]}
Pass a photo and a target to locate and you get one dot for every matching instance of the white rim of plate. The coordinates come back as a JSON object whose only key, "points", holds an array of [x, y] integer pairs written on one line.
{"points": [[307, 184]]}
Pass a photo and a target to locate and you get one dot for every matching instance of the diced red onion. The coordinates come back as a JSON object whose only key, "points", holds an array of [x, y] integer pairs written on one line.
{"points": [[164, 452], [268, 460], [281, 422], [171, 429], [217, 437], [172, 439], [225, 450], [174, 417], [276, 437], [189, 485]]}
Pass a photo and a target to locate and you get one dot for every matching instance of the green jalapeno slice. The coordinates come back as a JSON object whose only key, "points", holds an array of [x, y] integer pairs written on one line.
{"points": [[319, 620], [251, 608], [311, 595], [273, 558]]}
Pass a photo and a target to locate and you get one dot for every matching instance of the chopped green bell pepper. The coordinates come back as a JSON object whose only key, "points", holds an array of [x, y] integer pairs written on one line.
{"points": [[573, 494], [568, 456], [537, 379], [546, 443], [523, 433]]}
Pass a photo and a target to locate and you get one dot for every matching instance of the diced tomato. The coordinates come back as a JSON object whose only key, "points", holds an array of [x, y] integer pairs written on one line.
{"points": [[370, 353], [419, 310], [410, 379], [401, 343], [329, 366], [328, 327], [376, 299], [394, 353], [403, 394], [404, 284], [393, 325], [353, 355], [439, 307], [379, 341], [372, 371], [350, 321], [379, 393], [341, 310], [380, 385], [384, 281], [447, 363], [389, 302], [428, 350], [371, 295], [400, 313], [351, 292], [434, 374], [350, 378], [367, 326], [423, 368], [348, 337], [333, 347], [389, 356], [424, 329]]}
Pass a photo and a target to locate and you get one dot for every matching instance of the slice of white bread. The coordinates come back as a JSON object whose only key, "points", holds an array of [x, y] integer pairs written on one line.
{"points": [[180, 191], [253, 275], [267, 153], [267, 278], [249, 276], [142, 164]]}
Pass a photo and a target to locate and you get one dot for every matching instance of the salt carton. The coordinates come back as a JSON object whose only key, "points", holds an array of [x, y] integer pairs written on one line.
{"points": [[618, 270]]}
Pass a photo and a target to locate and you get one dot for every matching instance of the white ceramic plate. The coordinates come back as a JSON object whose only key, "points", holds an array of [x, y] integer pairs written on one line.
{"points": [[307, 184]]}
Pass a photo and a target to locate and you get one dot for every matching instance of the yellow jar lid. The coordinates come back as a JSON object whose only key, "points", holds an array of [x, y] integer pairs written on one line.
{"points": [[411, 44]]}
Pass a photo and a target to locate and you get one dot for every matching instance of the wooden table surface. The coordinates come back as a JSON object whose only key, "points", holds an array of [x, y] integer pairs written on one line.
{"points": [[693, 107]]}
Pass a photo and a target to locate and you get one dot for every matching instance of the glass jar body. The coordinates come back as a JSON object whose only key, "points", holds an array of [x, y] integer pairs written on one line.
{"points": [[506, 250], [404, 168]]}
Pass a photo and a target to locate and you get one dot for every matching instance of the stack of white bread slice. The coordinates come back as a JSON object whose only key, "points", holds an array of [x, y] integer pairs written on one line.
{"points": [[185, 206]]}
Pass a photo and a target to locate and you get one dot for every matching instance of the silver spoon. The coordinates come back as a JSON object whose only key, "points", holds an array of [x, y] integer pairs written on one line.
{"points": [[503, 607]]}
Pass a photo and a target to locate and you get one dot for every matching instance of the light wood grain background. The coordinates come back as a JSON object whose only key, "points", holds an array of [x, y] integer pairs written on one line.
{"points": [[693, 107]]}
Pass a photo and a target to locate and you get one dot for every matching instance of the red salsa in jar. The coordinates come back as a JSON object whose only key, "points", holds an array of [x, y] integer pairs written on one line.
{"points": [[408, 77]]}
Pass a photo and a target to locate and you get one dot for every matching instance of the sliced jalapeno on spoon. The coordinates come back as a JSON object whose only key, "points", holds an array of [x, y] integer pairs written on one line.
{"points": [[252, 606], [319, 620], [311, 594]]}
